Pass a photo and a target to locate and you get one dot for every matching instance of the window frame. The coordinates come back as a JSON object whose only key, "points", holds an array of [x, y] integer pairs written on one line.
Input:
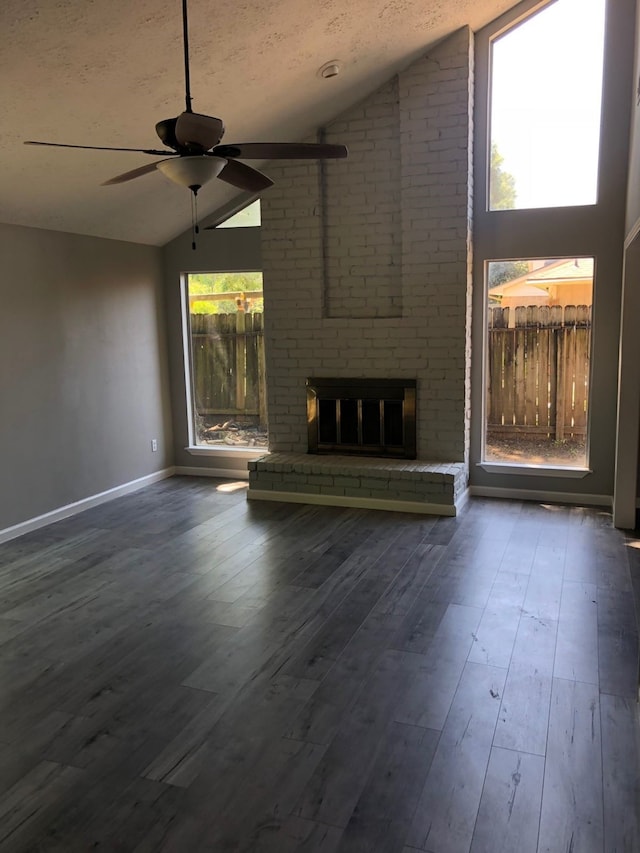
{"points": [[193, 448], [529, 468], [511, 20], [580, 231]]}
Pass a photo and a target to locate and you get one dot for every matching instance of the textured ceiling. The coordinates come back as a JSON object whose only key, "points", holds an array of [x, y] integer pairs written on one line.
{"points": [[103, 73]]}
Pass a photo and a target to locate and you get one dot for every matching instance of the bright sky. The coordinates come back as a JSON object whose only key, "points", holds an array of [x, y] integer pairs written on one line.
{"points": [[545, 116]]}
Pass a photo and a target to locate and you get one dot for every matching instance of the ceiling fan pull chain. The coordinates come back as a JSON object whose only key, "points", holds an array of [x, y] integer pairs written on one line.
{"points": [[195, 228]]}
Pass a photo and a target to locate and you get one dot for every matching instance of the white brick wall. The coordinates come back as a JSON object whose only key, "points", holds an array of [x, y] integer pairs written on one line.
{"points": [[367, 273], [363, 252]]}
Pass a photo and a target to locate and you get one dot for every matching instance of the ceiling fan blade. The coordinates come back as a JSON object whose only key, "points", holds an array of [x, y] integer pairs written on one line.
{"points": [[194, 129], [282, 151], [244, 177], [100, 148], [134, 173]]}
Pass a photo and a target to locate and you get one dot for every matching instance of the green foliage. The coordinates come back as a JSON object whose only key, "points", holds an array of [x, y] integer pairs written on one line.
{"points": [[230, 282], [502, 196], [502, 271], [502, 185]]}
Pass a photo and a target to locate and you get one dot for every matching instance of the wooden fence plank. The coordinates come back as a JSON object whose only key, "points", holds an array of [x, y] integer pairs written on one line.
{"points": [[251, 364], [582, 337], [556, 316], [519, 375], [508, 378], [240, 359], [262, 371], [532, 364], [553, 377], [569, 344], [544, 356], [560, 386], [494, 387]]}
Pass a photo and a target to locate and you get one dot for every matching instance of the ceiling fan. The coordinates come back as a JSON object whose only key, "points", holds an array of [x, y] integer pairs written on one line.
{"points": [[194, 154]]}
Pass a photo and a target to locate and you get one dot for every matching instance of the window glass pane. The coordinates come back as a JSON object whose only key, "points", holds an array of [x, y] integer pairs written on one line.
{"points": [[393, 428], [248, 217], [371, 422], [227, 359], [327, 422], [538, 359], [546, 88], [349, 421]]}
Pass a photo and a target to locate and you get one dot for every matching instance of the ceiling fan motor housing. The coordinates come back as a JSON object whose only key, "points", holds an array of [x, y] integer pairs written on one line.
{"points": [[166, 132], [194, 130], [190, 132]]}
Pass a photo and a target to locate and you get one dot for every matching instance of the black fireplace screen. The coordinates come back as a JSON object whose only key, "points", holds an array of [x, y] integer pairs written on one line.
{"points": [[372, 417]]}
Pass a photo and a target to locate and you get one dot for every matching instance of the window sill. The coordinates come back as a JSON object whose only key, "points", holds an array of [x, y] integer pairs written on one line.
{"points": [[534, 470], [227, 452]]}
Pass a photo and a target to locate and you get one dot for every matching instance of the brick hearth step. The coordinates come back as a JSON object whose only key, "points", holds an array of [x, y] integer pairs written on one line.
{"points": [[437, 488]]}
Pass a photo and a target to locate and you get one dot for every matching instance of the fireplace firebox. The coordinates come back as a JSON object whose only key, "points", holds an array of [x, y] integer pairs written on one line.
{"points": [[370, 417]]}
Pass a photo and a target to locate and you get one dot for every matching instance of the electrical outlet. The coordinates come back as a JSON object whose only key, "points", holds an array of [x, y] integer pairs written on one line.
{"points": [[154, 445]]}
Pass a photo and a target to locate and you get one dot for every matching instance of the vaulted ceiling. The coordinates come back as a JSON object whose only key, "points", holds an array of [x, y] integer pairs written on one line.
{"points": [[92, 72]]}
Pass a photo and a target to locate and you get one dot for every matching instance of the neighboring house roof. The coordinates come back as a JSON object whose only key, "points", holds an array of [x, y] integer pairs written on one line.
{"points": [[536, 282], [521, 289], [574, 270]]}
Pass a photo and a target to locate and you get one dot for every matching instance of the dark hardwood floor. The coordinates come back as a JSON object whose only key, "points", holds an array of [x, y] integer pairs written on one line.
{"points": [[183, 671]]}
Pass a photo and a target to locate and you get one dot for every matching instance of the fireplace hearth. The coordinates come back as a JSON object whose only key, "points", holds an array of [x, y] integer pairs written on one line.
{"points": [[367, 417]]}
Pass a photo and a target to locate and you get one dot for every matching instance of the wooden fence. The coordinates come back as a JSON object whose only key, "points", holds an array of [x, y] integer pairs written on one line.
{"points": [[228, 365], [539, 371]]}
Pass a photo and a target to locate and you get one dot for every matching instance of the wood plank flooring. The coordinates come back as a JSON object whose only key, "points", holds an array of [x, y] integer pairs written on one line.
{"points": [[185, 672]]}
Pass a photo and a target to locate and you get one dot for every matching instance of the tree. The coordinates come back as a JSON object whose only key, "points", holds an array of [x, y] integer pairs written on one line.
{"points": [[502, 185], [502, 196], [232, 282], [503, 271]]}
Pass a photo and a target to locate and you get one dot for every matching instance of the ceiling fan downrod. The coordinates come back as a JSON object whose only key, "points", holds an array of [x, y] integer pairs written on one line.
{"points": [[185, 39]]}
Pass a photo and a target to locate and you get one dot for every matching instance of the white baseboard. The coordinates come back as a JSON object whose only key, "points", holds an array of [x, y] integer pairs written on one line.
{"points": [[224, 473], [353, 502], [546, 497], [80, 506], [463, 499]]}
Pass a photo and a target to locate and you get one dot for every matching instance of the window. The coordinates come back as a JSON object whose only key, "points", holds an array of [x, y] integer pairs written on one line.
{"points": [[546, 91], [538, 361], [540, 379], [226, 357], [248, 217]]}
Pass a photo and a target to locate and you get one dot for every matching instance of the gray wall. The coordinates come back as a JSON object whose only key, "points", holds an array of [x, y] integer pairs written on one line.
{"points": [[633, 191], [633, 184], [83, 368], [221, 250]]}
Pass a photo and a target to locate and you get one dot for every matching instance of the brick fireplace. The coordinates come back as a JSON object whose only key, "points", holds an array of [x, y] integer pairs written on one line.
{"points": [[367, 271]]}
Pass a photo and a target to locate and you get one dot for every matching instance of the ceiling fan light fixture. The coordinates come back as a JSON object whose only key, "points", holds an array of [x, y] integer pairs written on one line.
{"points": [[192, 172]]}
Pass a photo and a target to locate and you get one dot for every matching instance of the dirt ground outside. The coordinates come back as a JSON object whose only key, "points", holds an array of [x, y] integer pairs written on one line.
{"points": [[533, 450]]}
